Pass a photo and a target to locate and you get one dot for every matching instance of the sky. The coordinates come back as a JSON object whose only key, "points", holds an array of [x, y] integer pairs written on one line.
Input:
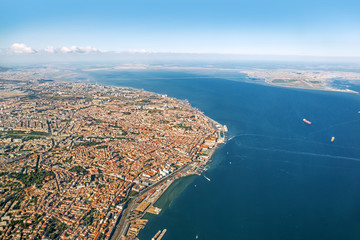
{"points": [[259, 27]]}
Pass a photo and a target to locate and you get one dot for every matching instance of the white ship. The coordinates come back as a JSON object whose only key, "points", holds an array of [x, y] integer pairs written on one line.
{"points": [[207, 178]]}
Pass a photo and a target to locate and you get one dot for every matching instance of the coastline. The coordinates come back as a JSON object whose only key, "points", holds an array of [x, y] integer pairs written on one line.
{"points": [[326, 88], [123, 224], [134, 149]]}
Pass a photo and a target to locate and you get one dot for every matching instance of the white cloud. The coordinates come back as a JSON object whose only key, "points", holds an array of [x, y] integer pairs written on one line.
{"points": [[21, 48], [50, 49], [76, 49]]}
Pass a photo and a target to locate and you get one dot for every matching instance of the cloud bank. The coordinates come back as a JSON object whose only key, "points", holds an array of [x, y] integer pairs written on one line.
{"points": [[20, 48]]}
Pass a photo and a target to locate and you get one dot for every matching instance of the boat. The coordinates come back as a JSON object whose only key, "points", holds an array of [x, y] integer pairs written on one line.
{"points": [[207, 178], [332, 139], [306, 121]]}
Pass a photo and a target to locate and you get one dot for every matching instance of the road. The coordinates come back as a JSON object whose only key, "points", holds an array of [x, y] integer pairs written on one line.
{"points": [[124, 223]]}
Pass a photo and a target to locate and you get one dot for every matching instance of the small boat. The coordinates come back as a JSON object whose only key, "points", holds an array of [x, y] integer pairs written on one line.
{"points": [[332, 139], [207, 178], [306, 121]]}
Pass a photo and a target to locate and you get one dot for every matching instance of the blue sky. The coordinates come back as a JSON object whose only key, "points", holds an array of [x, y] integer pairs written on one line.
{"points": [[277, 27]]}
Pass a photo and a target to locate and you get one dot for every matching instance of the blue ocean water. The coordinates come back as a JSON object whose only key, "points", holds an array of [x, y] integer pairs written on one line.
{"points": [[277, 177]]}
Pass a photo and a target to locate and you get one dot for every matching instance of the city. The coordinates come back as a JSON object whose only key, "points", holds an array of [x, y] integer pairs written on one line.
{"points": [[73, 155]]}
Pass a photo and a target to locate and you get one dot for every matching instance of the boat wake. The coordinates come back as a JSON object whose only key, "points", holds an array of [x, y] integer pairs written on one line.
{"points": [[303, 153], [304, 140]]}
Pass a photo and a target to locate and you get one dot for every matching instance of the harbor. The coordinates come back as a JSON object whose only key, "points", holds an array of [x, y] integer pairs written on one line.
{"points": [[159, 235], [132, 219]]}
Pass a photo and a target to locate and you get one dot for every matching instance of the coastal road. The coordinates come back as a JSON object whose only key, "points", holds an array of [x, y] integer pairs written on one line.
{"points": [[124, 223]]}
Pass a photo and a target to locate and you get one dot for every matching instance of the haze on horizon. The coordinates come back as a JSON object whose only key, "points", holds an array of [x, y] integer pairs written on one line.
{"points": [[260, 27]]}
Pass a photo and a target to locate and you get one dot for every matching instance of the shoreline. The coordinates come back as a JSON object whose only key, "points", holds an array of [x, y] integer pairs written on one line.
{"points": [[123, 222], [326, 88], [130, 145]]}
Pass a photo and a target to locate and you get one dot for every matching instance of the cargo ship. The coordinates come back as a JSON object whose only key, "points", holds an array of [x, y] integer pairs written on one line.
{"points": [[332, 139], [306, 121]]}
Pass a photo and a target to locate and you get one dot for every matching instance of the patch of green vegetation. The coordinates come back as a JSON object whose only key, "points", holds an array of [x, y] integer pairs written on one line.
{"points": [[101, 147], [133, 193], [154, 111], [30, 96], [17, 222], [102, 236], [32, 178], [79, 170], [14, 132], [34, 200], [89, 217], [206, 153], [54, 228], [62, 98], [145, 101], [68, 160], [87, 144], [40, 133], [96, 137], [116, 126], [17, 205], [23, 135], [183, 126]]}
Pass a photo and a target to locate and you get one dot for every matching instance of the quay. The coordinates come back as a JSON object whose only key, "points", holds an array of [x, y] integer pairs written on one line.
{"points": [[141, 204]]}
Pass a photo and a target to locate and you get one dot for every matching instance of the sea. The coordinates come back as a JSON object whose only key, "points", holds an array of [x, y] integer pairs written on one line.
{"points": [[276, 177]]}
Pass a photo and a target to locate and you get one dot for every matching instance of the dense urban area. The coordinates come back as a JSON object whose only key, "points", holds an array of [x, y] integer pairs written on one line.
{"points": [[75, 156]]}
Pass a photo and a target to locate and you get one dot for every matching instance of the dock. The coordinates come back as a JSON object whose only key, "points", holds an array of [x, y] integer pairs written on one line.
{"points": [[159, 235]]}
